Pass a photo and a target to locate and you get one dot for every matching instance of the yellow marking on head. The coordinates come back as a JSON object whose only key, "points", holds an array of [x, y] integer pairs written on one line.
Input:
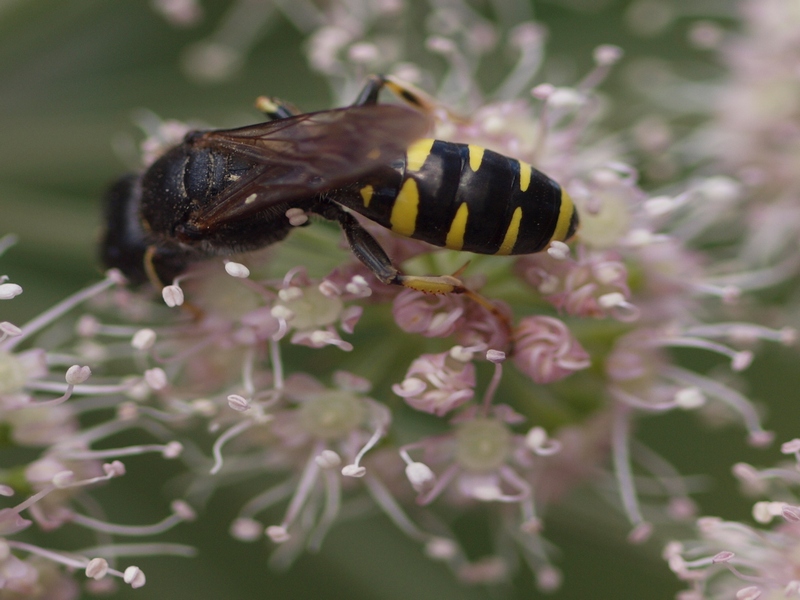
{"points": [[564, 217], [417, 153], [366, 194], [507, 246], [524, 176], [374, 154], [404, 211], [475, 157], [455, 237]]}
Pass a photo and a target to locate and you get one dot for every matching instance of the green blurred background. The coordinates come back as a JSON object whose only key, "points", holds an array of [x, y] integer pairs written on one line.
{"points": [[72, 75]]}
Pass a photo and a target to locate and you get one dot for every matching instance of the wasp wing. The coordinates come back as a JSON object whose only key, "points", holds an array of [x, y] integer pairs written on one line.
{"points": [[300, 156]]}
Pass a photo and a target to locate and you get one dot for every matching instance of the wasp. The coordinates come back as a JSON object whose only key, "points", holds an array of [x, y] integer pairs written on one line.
{"points": [[222, 192]]}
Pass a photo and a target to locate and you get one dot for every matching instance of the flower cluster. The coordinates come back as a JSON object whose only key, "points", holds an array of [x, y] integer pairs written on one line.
{"points": [[732, 559], [753, 136], [42, 405], [330, 389]]}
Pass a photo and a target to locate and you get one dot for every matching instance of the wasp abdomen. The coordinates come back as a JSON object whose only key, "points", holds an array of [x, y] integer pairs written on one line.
{"points": [[465, 197]]}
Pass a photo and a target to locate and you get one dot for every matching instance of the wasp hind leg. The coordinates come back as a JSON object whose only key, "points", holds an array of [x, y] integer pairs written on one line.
{"points": [[370, 252], [374, 257]]}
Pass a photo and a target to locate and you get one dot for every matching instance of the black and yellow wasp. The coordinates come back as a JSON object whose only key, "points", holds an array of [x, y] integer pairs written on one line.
{"points": [[222, 192]]}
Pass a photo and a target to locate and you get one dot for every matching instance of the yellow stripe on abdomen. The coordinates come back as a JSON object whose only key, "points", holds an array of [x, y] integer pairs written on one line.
{"points": [[475, 157], [455, 237], [507, 246], [405, 209], [417, 153], [564, 217], [524, 176]]}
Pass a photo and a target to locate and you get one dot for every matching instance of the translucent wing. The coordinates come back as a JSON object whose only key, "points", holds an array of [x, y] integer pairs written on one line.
{"points": [[300, 156]]}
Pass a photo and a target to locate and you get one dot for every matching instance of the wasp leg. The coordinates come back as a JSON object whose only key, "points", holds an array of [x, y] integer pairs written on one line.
{"points": [[150, 267], [275, 108], [370, 252], [405, 91]]}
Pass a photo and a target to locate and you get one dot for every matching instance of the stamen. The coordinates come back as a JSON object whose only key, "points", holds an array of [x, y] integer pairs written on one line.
{"points": [[173, 295], [333, 501], [77, 563], [170, 450], [558, 250], [304, 487], [381, 418], [181, 513], [760, 278], [267, 498], [383, 498], [238, 403], [221, 440], [144, 339], [235, 269], [744, 333], [605, 56], [420, 475], [738, 402], [740, 360], [540, 443], [7, 241], [495, 382], [60, 309], [8, 330], [528, 39], [620, 437], [134, 577], [297, 217], [439, 486], [277, 364], [9, 291], [246, 530]]}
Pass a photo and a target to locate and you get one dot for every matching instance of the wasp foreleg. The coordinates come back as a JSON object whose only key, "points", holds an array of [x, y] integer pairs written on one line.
{"points": [[275, 108]]}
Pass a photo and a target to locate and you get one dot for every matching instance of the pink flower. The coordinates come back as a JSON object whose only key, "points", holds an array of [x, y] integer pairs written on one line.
{"points": [[438, 383], [594, 285], [546, 351], [430, 316]]}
